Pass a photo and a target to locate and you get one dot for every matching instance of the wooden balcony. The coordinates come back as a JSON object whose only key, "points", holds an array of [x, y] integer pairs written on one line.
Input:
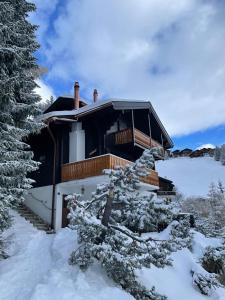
{"points": [[135, 136], [94, 166]]}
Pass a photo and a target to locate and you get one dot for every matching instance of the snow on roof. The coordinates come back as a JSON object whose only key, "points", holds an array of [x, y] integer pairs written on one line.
{"points": [[118, 104], [207, 146], [91, 107]]}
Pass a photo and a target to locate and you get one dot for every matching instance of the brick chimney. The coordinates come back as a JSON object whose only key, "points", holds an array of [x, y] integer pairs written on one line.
{"points": [[95, 95], [76, 95]]}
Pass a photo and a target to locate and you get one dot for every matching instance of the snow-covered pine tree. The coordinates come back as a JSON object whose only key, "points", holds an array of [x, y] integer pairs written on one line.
{"points": [[110, 227], [217, 212], [180, 233], [44, 105], [206, 283], [222, 155], [217, 154], [212, 193], [221, 190], [18, 102], [213, 260], [209, 212]]}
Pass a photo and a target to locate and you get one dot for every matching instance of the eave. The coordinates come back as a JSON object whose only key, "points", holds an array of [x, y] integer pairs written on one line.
{"points": [[117, 104]]}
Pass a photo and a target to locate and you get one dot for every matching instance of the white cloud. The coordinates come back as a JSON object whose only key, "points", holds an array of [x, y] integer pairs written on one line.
{"points": [[207, 146], [44, 90], [41, 17], [168, 51]]}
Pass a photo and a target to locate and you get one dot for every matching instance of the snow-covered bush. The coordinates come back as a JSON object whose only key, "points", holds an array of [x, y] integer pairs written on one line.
{"points": [[18, 103], [213, 260], [111, 226], [204, 282]]}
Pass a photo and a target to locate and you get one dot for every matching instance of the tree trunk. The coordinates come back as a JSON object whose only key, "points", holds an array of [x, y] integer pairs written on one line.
{"points": [[108, 208]]}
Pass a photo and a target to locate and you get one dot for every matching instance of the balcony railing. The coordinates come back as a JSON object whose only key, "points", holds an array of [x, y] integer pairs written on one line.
{"points": [[94, 167], [128, 135]]}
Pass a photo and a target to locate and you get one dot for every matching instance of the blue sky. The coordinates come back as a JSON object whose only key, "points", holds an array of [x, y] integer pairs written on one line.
{"points": [[214, 136], [168, 51]]}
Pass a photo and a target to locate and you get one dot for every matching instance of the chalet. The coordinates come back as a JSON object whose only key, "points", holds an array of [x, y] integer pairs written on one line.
{"points": [[202, 152], [185, 152], [80, 140], [176, 153]]}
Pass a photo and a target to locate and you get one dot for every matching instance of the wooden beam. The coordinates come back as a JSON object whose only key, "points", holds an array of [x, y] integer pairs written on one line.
{"points": [[132, 116], [150, 129]]}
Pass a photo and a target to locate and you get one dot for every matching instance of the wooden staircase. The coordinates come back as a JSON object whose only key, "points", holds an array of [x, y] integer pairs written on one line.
{"points": [[34, 219]]}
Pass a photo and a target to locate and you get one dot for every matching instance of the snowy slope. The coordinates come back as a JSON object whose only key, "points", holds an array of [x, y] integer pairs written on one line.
{"points": [[192, 176], [38, 269]]}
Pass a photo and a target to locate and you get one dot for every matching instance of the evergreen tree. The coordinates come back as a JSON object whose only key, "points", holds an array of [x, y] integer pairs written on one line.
{"points": [[217, 212], [212, 193], [217, 154], [221, 190], [111, 226], [180, 233], [206, 283], [213, 260], [45, 105], [18, 102], [209, 213], [222, 155]]}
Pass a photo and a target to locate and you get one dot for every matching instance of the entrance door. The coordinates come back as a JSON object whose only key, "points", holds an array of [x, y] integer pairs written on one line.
{"points": [[65, 211]]}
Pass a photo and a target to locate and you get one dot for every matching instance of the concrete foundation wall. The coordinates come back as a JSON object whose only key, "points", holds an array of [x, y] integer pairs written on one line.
{"points": [[39, 200]]}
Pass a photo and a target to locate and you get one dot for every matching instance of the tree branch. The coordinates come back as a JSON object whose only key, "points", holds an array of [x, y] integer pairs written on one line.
{"points": [[96, 199], [135, 238]]}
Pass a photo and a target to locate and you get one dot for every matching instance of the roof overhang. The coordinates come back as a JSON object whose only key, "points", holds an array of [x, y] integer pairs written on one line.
{"points": [[117, 104]]}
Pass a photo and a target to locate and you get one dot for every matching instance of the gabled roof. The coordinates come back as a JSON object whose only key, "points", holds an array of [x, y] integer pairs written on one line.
{"points": [[186, 150], [176, 151], [117, 104]]}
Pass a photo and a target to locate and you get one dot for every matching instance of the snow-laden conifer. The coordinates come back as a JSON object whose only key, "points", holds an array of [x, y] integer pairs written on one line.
{"points": [[115, 227], [213, 260], [209, 212], [222, 155], [18, 102], [217, 154], [180, 233], [206, 283]]}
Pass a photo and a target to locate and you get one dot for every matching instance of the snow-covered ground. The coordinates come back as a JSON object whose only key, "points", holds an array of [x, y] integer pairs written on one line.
{"points": [[38, 269], [192, 176]]}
